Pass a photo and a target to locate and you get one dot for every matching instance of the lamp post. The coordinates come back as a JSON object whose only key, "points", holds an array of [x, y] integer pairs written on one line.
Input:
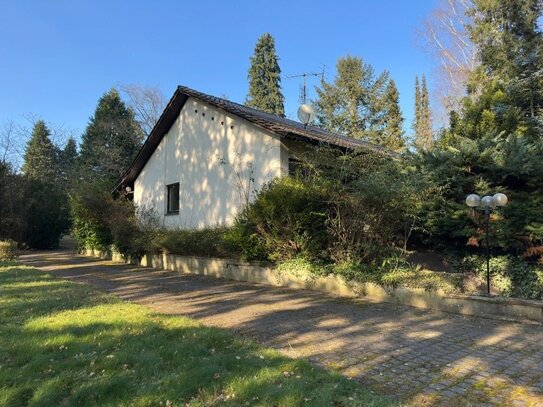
{"points": [[486, 204]]}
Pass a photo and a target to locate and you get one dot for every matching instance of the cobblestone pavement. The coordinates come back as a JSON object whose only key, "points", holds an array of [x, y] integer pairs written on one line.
{"points": [[420, 356]]}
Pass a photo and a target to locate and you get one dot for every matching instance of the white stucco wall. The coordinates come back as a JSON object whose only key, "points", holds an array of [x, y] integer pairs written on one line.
{"points": [[212, 155]]}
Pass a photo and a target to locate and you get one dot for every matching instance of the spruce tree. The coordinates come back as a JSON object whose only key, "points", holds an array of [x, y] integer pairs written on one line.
{"points": [[265, 78], [352, 103], [393, 131], [110, 141], [40, 158]]}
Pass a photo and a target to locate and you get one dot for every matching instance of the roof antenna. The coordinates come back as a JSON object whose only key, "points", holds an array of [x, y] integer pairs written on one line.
{"points": [[306, 112], [303, 87]]}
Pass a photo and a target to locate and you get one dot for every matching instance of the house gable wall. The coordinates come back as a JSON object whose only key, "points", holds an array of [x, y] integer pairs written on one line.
{"points": [[212, 154]]}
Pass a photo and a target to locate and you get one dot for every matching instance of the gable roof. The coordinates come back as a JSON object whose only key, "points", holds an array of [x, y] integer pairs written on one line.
{"points": [[284, 127]]}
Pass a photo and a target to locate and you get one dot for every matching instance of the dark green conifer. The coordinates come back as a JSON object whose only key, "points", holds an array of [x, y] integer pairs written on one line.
{"points": [[393, 130], [265, 78], [40, 159], [111, 140], [422, 125]]}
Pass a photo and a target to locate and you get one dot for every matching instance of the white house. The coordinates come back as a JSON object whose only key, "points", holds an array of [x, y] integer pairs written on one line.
{"points": [[206, 157]]}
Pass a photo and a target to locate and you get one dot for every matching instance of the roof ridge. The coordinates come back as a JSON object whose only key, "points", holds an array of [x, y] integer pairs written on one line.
{"points": [[300, 127], [276, 124]]}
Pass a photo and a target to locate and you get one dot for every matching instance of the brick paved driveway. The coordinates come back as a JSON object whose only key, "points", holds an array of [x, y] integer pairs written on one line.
{"points": [[425, 357]]}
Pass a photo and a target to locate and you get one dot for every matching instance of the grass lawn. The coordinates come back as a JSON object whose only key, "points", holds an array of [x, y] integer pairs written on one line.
{"points": [[63, 343]]}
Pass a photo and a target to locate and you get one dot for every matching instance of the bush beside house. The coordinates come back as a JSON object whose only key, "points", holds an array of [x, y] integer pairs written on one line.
{"points": [[308, 222]]}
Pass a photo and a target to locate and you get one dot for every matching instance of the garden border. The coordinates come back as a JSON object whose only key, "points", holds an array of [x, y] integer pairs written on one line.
{"points": [[494, 307]]}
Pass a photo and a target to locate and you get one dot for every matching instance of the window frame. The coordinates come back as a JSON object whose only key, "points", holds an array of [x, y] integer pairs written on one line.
{"points": [[169, 188]]}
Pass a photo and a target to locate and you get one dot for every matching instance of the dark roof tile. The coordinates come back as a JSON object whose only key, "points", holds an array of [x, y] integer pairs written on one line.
{"points": [[280, 125]]}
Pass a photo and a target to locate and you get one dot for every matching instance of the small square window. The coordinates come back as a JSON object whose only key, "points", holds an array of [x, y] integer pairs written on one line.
{"points": [[172, 198]]}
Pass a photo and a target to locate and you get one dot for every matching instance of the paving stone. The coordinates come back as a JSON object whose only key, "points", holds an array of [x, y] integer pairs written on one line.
{"points": [[378, 344]]}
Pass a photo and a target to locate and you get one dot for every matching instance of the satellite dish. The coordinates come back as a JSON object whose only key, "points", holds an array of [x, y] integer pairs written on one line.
{"points": [[306, 114]]}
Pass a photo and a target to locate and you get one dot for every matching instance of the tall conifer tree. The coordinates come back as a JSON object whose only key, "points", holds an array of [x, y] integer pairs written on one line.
{"points": [[393, 129], [423, 116], [40, 159], [416, 121], [111, 140], [353, 103], [265, 78]]}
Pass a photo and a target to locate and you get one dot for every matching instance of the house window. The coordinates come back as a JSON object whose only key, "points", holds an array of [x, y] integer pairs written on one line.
{"points": [[297, 169], [173, 198]]}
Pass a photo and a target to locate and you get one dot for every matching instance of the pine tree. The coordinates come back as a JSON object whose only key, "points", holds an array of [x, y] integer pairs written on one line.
{"points": [[111, 140], [40, 159], [423, 116], [393, 131], [352, 104], [265, 78]]}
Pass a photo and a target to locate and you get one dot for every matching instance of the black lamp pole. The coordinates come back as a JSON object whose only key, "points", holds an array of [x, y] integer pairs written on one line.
{"points": [[487, 216], [486, 204]]}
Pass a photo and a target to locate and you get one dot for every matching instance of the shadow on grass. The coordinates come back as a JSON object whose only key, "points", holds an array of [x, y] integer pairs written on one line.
{"points": [[65, 344], [419, 355]]}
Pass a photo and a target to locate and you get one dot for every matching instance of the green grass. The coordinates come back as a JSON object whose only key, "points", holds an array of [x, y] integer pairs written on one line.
{"points": [[63, 343]]}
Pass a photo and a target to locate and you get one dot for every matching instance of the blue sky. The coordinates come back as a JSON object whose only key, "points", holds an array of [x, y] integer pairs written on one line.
{"points": [[58, 57]]}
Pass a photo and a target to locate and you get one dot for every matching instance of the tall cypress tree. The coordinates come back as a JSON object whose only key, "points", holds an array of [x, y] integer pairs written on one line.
{"points": [[265, 78], [416, 120], [111, 140], [393, 130], [426, 116], [423, 116], [40, 159]]}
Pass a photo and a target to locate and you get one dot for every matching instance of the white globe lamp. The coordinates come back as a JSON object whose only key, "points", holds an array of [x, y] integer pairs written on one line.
{"points": [[306, 114], [473, 200]]}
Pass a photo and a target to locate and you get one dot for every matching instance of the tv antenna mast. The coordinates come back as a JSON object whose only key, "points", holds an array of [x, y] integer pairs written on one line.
{"points": [[303, 88]]}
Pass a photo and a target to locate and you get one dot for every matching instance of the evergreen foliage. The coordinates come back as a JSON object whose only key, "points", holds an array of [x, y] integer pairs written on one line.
{"points": [[40, 158], [67, 162], [494, 142], [353, 103], [12, 216], [46, 214], [265, 78], [110, 141], [392, 132], [422, 125]]}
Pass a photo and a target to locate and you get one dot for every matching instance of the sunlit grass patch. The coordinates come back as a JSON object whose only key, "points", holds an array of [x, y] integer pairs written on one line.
{"points": [[63, 343]]}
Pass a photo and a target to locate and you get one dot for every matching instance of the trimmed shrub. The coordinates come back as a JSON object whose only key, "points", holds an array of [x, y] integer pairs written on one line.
{"points": [[210, 242], [8, 250], [102, 222], [287, 219]]}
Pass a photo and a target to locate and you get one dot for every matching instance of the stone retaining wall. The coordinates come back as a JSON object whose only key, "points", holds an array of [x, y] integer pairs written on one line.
{"points": [[494, 307]]}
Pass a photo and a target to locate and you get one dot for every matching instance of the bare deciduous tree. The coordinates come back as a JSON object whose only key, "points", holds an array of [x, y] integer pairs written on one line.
{"points": [[15, 135], [146, 102], [445, 37], [7, 141]]}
